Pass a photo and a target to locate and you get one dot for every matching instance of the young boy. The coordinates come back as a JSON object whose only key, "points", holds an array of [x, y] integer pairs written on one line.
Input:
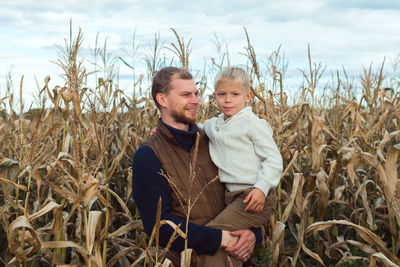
{"points": [[248, 160], [243, 149]]}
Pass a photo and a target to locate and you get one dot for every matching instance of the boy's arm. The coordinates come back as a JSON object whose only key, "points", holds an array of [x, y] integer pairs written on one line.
{"points": [[205, 127], [265, 147]]}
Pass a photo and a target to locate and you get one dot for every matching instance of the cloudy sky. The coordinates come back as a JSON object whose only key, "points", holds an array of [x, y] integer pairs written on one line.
{"points": [[352, 33]]}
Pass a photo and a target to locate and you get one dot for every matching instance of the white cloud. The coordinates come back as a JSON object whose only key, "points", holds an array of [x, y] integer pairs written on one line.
{"points": [[349, 33]]}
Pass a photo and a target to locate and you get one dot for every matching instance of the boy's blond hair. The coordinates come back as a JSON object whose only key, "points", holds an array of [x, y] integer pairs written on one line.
{"points": [[233, 74]]}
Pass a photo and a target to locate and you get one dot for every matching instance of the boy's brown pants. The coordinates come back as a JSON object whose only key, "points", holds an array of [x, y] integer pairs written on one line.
{"points": [[232, 218]]}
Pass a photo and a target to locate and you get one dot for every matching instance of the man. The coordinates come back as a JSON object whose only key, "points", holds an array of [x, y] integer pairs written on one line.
{"points": [[171, 150]]}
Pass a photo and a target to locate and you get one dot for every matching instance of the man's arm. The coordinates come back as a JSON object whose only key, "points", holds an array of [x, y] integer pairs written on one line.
{"points": [[148, 186]]}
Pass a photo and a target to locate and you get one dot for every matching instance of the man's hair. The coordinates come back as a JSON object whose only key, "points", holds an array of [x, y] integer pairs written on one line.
{"points": [[162, 80], [233, 74]]}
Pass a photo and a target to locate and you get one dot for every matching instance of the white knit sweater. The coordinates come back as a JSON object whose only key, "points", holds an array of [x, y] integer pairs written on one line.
{"points": [[244, 151]]}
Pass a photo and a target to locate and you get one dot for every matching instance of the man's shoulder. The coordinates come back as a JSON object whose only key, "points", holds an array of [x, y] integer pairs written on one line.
{"points": [[144, 148], [145, 160], [154, 140], [143, 152]]}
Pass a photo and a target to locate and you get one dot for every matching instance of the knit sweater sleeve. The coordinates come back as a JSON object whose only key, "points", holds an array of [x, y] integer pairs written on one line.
{"points": [[269, 174], [148, 186]]}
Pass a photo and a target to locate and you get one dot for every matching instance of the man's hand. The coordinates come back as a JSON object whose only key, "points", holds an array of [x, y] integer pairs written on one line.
{"points": [[244, 247], [257, 200], [228, 240]]}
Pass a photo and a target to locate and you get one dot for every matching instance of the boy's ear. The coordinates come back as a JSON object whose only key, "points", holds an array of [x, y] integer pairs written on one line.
{"points": [[161, 99], [249, 95]]}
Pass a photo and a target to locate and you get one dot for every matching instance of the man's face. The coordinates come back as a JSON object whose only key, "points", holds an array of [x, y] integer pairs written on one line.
{"points": [[181, 103]]}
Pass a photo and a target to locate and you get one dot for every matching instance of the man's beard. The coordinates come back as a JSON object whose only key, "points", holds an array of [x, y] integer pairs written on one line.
{"points": [[180, 117]]}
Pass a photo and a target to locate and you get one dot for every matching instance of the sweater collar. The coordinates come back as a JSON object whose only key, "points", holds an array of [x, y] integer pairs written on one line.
{"points": [[243, 112], [185, 139]]}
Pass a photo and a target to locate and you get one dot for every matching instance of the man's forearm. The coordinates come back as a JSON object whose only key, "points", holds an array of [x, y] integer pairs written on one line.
{"points": [[202, 239]]}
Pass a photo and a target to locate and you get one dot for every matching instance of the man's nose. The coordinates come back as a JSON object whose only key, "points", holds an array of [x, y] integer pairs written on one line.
{"points": [[195, 99]]}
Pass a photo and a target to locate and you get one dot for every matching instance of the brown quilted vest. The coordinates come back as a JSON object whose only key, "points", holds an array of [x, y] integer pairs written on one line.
{"points": [[175, 163]]}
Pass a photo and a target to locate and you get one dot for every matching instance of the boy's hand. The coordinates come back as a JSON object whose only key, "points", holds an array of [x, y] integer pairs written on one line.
{"points": [[256, 200], [153, 131]]}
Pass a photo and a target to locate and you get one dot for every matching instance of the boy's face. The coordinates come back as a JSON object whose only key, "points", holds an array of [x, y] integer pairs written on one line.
{"points": [[231, 98]]}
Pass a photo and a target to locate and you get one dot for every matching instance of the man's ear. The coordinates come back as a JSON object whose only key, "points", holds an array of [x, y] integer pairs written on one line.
{"points": [[161, 99]]}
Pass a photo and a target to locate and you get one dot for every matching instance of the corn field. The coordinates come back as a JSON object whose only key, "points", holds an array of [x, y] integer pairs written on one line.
{"points": [[65, 167]]}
